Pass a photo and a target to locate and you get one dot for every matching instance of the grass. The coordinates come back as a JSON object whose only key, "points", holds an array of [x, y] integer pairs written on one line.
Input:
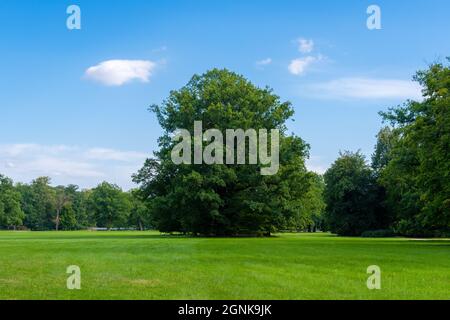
{"points": [[147, 265]]}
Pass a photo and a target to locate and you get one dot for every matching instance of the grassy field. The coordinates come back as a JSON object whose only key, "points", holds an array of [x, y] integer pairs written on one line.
{"points": [[147, 265]]}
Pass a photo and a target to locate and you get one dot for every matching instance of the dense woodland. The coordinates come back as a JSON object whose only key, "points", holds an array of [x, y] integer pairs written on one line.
{"points": [[403, 190]]}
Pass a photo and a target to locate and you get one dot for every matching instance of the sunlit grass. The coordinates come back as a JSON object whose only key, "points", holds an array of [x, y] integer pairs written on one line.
{"points": [[147, 265]]}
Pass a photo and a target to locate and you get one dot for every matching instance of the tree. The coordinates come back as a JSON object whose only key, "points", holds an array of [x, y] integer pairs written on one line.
{"points": [[314, 203], [82, 203], [38, 203], [61, 200], [110, 206], [351, 196], [417, 177], [386, 139], [68, 218], [223, 199], [11, 214], [140, 213]]}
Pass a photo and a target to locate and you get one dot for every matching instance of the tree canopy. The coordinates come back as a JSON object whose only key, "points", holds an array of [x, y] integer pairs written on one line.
{"points": [[11, 214], [417, 176], [224, 199], [351, 195]]}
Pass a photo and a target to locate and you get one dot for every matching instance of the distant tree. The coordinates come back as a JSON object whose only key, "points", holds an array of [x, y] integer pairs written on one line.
{"points": [[62, 199], [84, 215], [110, 205], [38, 203], [314, 203], [223, 199], [351, 196], [310, 206], [140, 212], [386, 139], [11, 214], [68, 218], [417, 176]]}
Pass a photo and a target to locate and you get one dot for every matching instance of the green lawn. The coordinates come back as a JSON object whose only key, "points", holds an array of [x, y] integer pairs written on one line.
{"points": [[146, 265]]}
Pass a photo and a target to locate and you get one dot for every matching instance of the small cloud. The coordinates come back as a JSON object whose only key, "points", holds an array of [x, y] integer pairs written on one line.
{"points": [[316, 164], [264, 62], [119, 72], [305, 45], [366, 88], [300, 65]]}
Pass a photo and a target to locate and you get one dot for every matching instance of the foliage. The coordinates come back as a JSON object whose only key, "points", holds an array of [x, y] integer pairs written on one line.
{"points": [[309, 216], [11, 214], [417, 177], [38, 203], [351, 196], [39, 206], [109, 205], [386, 139], [223, 199], [139, 217]]}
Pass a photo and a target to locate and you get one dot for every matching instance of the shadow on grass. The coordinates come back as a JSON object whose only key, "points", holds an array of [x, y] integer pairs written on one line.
{"points": [[117, 235]]}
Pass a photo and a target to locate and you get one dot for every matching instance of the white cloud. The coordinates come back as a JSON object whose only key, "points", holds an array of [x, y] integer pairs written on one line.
{"points": [[365, 88], [305, 45], [316, 165], [70, 164], [300, 65], [264, 62], [119, 72], [111, 154]]}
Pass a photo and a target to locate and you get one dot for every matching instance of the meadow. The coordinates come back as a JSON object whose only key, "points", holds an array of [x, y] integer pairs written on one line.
{"points": [[148, 265]]}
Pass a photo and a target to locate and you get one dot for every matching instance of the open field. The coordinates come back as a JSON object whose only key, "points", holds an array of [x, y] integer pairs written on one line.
{"points": [[146, 265]]}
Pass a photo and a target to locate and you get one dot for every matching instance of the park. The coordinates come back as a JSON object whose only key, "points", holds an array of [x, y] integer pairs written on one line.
{"points": [[220, 231], [225, 150], [148, 265]]}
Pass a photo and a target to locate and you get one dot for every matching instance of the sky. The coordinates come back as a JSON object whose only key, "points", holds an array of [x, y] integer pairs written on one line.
{"points": [[73, 102]]}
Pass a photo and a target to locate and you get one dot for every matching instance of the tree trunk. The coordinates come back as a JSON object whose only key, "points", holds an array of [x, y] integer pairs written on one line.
{"points": [[57, 220]]}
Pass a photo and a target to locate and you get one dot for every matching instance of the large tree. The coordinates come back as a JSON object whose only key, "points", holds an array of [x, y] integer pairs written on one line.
{"points": [[223, 199], [417, 176]]}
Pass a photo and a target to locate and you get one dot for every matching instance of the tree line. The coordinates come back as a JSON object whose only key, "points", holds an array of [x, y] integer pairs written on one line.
{"points": [[405, 190], [39, 206]]}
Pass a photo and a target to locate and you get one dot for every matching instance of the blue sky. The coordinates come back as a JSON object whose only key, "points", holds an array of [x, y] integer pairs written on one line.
{"points": [[73, 103]]}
